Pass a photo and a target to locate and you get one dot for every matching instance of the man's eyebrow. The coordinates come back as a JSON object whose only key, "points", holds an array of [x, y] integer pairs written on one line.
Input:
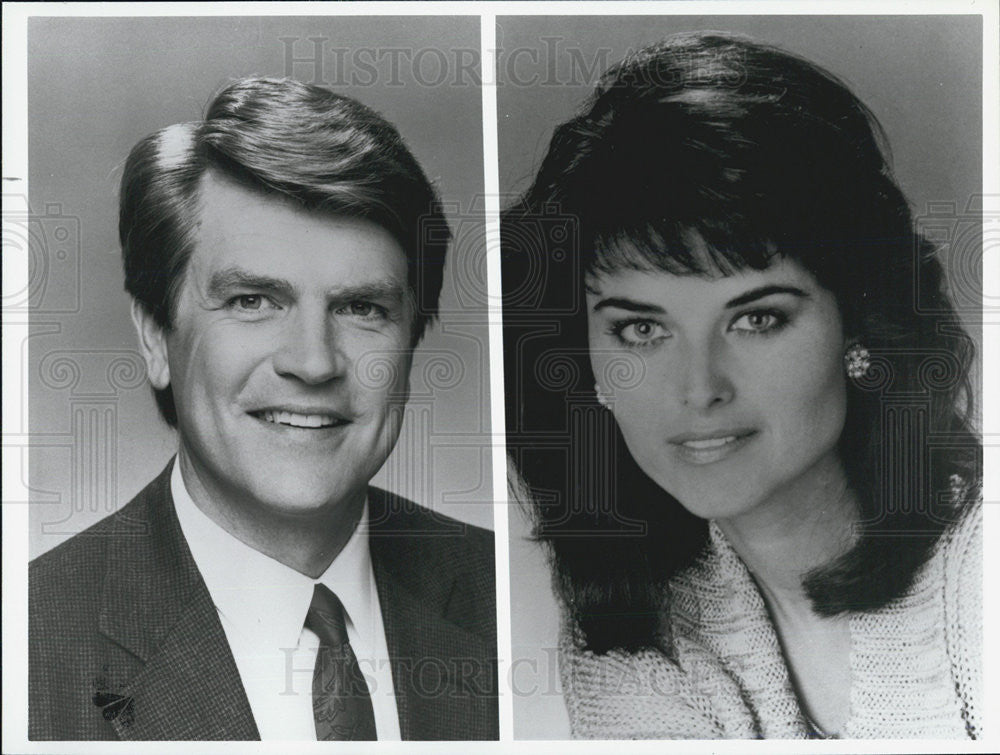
{"points": [[759, 293], [384, 290], [224, 281], [629, 305]]}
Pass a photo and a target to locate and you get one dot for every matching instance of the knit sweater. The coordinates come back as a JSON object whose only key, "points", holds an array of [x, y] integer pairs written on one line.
{"points": [[915, 664]]}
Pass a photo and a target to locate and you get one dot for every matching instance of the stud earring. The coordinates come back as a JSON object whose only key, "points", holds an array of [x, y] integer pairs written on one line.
{"points": [[857, 360], [602, 397]]}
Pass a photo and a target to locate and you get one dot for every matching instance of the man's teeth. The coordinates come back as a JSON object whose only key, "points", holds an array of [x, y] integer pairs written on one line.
{"points": [[710, 443], [300, 420]]}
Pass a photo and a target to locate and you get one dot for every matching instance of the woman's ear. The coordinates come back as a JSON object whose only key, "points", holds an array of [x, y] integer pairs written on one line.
{"points": [[153, 344], [857, 359], [851, 340]]}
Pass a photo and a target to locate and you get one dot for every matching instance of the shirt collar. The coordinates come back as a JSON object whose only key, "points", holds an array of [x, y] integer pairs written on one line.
{"points": [[264, 600]]}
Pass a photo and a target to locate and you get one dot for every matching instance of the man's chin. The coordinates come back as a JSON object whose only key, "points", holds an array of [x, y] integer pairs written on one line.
{"points": [[310, 503]]}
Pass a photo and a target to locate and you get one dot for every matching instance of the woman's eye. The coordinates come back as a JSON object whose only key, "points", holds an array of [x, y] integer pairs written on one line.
{"points": [[639, 332], [762, 321]]}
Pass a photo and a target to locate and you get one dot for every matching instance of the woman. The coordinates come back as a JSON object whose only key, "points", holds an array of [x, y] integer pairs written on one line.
{"points": [[746, 426]]}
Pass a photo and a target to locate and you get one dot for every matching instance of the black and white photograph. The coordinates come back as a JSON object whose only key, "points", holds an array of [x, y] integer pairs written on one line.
{"points": [[260, 459], [501, 376], [741, 327]]}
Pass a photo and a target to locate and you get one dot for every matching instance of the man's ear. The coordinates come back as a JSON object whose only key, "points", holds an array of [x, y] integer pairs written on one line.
{"points": [[153, 343]]}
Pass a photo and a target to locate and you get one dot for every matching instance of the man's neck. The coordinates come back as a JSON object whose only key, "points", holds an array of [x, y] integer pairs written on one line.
{"points": [[308, 543]]}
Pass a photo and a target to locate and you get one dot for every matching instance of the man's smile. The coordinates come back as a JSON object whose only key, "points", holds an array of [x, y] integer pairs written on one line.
{"points": [[303, 420]]}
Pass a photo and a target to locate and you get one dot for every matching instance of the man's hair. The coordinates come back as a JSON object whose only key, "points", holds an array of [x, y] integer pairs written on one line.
{"points": [[325, 151], [759, 154]]}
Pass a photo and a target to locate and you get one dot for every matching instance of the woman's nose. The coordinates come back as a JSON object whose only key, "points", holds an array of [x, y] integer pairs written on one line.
{"points": [[310, 350], [705, 379]]}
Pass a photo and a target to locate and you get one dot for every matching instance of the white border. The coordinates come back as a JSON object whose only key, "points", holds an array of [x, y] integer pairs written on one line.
{"points": [[991, 372], [498, 426], [512, 8], [15, 520], [15, 412]]}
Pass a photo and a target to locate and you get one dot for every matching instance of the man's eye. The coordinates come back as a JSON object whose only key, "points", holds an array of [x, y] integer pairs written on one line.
{"points": [[250, 301], [364, 309]]}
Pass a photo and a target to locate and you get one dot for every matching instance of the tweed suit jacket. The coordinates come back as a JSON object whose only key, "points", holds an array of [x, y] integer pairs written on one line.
{"points": [[125, 642]]}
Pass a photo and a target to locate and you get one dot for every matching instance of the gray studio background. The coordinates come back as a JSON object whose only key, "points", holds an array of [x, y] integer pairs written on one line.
{"points": [[96, 86], [922, 77]]}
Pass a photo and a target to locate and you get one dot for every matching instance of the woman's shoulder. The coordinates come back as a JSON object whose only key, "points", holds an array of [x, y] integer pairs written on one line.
{"points": [[962, 543], [961, 552], [959, 557], [680, 692], [942, 613]]}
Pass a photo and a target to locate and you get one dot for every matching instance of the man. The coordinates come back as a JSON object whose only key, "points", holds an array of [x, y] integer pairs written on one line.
{"points": [[284, 256]]}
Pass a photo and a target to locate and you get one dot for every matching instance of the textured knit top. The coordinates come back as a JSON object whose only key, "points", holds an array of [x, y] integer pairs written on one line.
{"points": [[915, 664]]}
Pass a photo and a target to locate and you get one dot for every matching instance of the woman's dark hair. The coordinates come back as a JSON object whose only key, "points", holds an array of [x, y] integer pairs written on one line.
{"points": [[325, 151], [758, 153]]}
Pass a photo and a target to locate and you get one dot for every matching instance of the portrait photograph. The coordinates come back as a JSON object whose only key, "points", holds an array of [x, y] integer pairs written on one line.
{"points": [[486, 375], [259, 258], [742, 282]]}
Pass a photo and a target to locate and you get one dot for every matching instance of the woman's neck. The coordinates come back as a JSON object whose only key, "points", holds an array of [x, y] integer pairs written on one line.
{"points": [[805, 525]]}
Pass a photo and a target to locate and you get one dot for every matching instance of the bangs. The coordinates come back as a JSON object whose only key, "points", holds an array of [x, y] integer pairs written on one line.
{"points": [[702, 250], [653, 197]]}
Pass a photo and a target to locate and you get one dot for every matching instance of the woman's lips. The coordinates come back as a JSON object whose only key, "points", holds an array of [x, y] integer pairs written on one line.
{"points": [[707, 448]]}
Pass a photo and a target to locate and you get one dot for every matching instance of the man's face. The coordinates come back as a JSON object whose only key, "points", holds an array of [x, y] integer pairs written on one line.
{"points": [[289, 354]]}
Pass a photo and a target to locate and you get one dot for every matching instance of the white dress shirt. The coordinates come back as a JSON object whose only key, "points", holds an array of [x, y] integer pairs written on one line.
{"points": [[263, 604]]}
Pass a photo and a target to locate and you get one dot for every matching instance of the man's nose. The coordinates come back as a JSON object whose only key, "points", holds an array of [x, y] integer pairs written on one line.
{"points": [[311, 349], [705, 375]]}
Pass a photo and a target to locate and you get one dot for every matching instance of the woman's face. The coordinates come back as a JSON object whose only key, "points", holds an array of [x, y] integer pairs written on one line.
{"points": [[742, 395]]}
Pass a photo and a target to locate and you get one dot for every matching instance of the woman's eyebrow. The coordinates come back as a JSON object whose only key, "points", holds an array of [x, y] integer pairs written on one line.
{"points": [[629, 305], [759, 293]]}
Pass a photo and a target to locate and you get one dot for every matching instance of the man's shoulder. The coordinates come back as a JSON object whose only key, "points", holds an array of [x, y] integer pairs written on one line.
{"points": [[393, 516], [444, 563], [76, 568]]}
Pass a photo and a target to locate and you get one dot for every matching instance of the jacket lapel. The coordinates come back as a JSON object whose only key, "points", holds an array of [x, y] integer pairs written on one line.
{"points": [[435, 663], [156, 606], [429, 655]]}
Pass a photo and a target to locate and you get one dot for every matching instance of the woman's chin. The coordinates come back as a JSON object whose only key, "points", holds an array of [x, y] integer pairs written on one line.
{"points": [[718, 508], [714, 496]]}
